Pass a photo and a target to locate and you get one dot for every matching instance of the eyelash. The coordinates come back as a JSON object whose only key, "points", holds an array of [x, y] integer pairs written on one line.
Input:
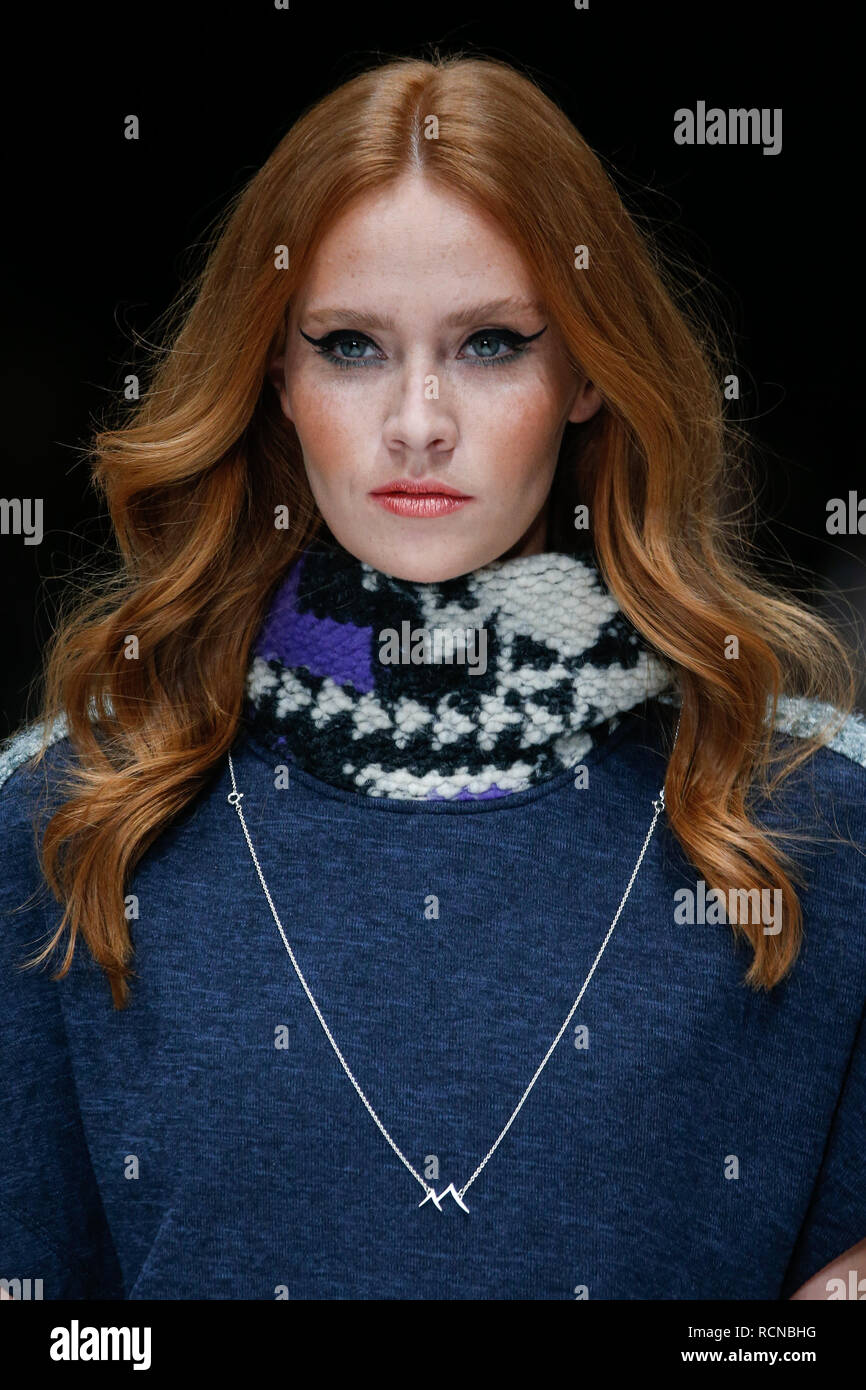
{"points": [[518, 343]]}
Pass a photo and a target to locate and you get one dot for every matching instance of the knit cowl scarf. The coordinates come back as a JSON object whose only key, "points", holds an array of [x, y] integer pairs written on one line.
{"points": [[468, 688]]}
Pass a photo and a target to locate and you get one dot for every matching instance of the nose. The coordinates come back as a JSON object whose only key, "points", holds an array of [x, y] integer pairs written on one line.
{"points": [[421, 419]]}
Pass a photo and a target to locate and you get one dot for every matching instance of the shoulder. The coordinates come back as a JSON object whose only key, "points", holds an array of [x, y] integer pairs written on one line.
{"points": [[832, 780], [26, 785], [20, 747], [25, 790], [831, 785], [802, 718]]}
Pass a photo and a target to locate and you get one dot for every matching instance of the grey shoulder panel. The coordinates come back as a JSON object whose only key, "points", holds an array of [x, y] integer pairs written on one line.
{"points": [[802, 718], [16, 749]]}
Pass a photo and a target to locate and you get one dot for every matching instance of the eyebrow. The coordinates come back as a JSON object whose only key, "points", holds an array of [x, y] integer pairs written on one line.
{"points": [[474, 313]]}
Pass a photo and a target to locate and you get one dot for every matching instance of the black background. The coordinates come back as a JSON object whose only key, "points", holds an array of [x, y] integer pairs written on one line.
{"points": [[99, 230]]}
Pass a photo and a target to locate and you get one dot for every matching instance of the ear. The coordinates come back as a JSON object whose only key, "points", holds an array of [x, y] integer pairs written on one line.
{"points": [[277, 377], [585, 404]]}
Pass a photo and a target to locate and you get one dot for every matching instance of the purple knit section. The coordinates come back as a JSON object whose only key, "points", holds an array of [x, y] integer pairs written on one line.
{"points": [[325, 647], [466, 795]]}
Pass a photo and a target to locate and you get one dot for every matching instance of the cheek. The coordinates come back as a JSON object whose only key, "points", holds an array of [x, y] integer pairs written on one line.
{"points": [[326, 421], [518, 433]]}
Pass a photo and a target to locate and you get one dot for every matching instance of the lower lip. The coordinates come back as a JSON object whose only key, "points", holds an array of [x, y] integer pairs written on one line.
{"points": [[420, 503]]}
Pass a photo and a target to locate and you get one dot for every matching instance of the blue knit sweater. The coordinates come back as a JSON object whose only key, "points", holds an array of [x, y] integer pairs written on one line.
{"points": [[688, 1138]]}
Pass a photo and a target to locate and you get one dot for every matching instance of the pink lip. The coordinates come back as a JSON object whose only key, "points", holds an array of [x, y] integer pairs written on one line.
{"points": [[413, 504], [421, 497], [428, 486]]}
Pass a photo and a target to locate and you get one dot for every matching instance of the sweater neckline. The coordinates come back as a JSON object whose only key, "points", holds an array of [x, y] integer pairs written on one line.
{"points": [[471, 688]]}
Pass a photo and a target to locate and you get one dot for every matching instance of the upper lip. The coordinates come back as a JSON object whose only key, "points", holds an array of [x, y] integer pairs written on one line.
{"points": [[428, 485]]}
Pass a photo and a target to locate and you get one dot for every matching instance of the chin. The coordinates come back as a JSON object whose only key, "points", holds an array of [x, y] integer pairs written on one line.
{"points": [[425, 564]]}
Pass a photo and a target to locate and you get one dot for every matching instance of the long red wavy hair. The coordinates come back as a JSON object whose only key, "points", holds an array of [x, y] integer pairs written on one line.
{"points": [[193, 476]]}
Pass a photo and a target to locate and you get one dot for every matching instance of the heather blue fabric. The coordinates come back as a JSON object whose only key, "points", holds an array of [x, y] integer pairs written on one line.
{"points": [[259, 1168]]}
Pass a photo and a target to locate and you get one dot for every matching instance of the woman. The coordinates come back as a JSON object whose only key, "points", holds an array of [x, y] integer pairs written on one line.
{"points": [[351, 781]]}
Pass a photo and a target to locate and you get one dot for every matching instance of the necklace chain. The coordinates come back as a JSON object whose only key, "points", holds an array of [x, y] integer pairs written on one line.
{"points": [[234, 798]]}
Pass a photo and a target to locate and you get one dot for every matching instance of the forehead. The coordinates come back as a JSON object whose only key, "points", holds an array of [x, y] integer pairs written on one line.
{"points": [[414, 239]]}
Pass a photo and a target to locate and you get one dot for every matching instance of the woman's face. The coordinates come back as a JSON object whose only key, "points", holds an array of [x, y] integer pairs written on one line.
{"points": [[425, 306]]}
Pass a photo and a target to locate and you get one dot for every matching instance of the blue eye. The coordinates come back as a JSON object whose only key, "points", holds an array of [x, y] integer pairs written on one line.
{"points": [[324, 346], [517, 343]]}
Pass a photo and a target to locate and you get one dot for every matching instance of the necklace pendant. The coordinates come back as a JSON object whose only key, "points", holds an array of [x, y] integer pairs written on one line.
{"points": [[431, 1197]]}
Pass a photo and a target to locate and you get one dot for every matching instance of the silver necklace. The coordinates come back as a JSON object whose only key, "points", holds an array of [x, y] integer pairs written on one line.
{"points": [[234, 798]]}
